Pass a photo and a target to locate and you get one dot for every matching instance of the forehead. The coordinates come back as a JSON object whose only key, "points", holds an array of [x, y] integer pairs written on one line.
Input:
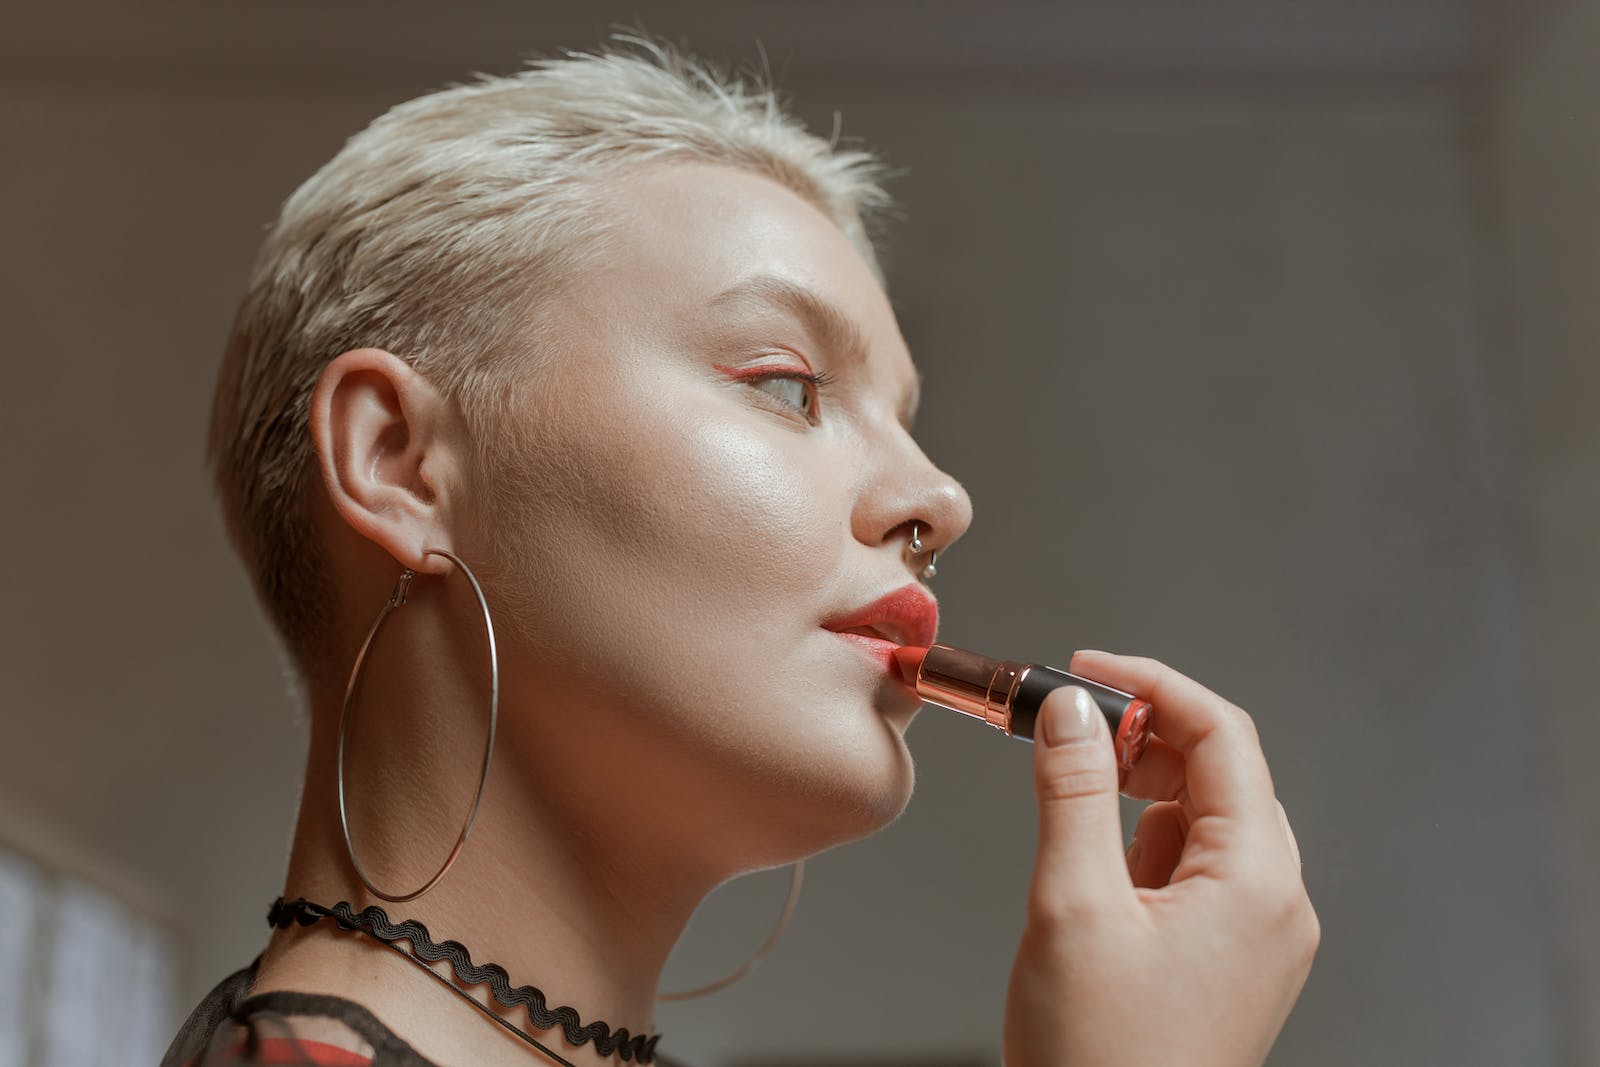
{"points": [[701, 240]]}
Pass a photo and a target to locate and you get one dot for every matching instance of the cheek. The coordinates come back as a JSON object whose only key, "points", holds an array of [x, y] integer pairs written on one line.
{"points": [[625, 501], [765, 506]]}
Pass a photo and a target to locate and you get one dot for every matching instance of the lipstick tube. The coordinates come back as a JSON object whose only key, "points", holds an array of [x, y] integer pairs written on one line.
{"points": [[1007, 695]]}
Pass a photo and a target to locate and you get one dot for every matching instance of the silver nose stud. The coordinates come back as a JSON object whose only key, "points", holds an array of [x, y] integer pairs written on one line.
{"points": [[915, 546]]}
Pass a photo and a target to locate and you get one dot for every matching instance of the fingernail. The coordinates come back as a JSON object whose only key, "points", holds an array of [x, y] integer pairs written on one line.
{"points": [[1133, 855], [1072, 721]]}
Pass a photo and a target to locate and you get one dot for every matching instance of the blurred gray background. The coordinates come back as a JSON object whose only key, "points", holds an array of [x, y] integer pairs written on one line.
{"points": [[1261, 332]]}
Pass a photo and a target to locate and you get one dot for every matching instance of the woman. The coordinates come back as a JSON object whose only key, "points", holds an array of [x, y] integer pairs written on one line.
{"points": [[597, 359]]}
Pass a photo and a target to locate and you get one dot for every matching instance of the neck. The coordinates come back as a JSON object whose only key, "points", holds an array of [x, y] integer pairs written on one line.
{"points": [[549, 886]]}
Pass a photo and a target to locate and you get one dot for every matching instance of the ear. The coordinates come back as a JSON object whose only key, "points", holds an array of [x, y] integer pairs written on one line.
{"points": [[386, 445]]}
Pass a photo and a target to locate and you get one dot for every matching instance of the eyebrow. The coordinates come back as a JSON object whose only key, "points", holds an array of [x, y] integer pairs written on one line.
{"points": [[827, 325]]}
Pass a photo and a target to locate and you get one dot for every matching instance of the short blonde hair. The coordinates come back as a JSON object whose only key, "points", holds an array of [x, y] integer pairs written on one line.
{"points": [[421, 233]]}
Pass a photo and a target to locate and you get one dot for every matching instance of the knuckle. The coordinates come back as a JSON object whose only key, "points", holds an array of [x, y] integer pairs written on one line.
{"points": [[1240, 722], [1075, 783], [1047, 917], [1052, 917], [1276, 897], [1297, 918], [1301, 934], [1310, 929]]}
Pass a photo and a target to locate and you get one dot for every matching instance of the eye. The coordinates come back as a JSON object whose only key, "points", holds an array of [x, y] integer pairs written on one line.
{"points": [[800, 390], [794, 390]]}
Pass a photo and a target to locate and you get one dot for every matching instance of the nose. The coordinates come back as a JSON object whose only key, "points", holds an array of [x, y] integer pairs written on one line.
{"points": [[910, 488]]}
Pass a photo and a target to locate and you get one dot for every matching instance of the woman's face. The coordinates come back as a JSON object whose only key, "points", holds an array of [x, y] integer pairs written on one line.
{"points": [[666, 536]]}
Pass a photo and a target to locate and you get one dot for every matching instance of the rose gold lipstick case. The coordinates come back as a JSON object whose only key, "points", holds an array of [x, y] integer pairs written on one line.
{"points": [[1008, 695], [975, 685]]}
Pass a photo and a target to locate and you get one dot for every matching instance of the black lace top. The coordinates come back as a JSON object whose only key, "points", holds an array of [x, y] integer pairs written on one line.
{"points": [[233, 1027]]}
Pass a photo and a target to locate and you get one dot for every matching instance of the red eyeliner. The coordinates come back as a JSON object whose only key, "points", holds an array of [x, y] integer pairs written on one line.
{"points": [[1007, 694], [741, 373]]}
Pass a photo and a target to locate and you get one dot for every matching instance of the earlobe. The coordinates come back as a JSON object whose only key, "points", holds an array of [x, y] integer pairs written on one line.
{"points": [[376, 424]]}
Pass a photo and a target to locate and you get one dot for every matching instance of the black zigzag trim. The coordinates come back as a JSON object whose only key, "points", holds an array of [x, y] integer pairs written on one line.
{"points": [[375, 922]]}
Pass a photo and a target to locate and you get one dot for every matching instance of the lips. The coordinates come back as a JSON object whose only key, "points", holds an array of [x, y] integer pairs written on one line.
{"points": [[907, 616]]}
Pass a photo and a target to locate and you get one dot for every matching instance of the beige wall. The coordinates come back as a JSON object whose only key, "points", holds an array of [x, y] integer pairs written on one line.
{"points": [[1219, 365]]}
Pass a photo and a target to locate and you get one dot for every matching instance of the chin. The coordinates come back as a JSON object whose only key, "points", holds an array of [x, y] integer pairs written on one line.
{"points": [[855, 792]]}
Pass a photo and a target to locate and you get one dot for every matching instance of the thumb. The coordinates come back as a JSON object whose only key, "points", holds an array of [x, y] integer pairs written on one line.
{"points": [[1080, 830]]}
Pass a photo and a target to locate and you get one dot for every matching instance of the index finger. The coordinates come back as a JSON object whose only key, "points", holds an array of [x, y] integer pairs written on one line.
{"points": [[1225, 767]]}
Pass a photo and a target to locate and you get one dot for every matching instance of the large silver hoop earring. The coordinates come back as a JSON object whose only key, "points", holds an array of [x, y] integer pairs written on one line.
{"points": [[397, 600], [796, 877]]}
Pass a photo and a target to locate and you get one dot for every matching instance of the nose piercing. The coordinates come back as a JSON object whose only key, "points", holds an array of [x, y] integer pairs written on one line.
{"points": [[916, 550]]}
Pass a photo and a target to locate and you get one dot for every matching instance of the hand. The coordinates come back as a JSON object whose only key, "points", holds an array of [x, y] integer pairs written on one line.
{"points": [[1191, 949]]}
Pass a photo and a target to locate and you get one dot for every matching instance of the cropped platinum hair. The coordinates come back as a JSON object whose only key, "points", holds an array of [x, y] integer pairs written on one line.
{"points": [[421, 233]]}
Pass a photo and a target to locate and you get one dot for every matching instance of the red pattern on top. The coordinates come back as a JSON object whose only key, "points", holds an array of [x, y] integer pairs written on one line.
{"points": [[288, 1051]]}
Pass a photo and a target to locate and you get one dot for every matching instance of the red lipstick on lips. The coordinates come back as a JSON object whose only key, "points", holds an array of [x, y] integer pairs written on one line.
{"points": [[906, 616], [1007, 695]]}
